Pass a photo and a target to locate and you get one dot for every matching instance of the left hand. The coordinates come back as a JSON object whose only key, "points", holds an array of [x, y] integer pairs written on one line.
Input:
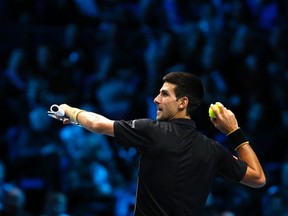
{"points": [[225, 120]]}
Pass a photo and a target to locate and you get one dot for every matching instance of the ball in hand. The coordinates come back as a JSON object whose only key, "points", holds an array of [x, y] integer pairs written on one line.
{"points": [[211, 112]]}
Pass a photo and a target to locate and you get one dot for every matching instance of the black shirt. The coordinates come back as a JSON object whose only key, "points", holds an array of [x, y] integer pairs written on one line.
{"points": [[177, 165]]}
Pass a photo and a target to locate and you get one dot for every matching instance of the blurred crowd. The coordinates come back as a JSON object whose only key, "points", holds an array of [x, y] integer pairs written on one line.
{"points": [[109, 56]]}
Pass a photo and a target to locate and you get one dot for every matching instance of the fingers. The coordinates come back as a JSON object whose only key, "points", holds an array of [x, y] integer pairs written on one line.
{"points": [[64, 106], [217, 109], [225, 120], [66, 121], [220, 111]]}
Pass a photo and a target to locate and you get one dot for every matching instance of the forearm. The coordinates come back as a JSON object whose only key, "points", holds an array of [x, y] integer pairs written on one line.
{"points": [[96, 123], [91, 121], [254, 176]]}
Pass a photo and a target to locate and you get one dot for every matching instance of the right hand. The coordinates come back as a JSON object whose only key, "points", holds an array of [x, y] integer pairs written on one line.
{"points": [[67, 109]]}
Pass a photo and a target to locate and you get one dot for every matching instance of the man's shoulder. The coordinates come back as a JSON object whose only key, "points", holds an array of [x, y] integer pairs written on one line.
{"points": [[143, 122], [136, 123]]}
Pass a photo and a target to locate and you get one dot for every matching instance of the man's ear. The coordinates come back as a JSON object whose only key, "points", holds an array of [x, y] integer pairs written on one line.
{"points": [[183, 102]]}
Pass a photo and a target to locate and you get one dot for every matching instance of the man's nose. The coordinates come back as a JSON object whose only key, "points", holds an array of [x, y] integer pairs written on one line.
{"points": [[156, 99]]}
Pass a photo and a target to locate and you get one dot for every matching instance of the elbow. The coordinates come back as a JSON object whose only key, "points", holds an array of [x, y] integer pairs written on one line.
{"points": [[259, 182], [254, 181], [262, 182]]}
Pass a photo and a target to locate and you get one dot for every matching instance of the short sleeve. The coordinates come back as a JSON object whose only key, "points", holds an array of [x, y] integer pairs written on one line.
{"points": [[131, 133], [230, 166]]}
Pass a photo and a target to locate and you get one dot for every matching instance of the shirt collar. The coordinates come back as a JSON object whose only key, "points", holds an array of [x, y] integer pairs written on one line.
{"points": [[183, 121]]}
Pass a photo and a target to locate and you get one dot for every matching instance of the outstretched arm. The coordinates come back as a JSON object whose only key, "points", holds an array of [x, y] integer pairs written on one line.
{"points": [[91, 121], [226, 122]]}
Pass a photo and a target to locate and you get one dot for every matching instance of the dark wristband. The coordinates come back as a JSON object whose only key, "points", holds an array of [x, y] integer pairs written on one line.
{"points": [[238, 138]]}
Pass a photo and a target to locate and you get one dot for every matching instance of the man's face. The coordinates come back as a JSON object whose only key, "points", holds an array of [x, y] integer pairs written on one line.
{"points": [[166, 101]]}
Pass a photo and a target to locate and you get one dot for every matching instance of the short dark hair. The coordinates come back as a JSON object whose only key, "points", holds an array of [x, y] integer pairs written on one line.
{"points": [[187, 85]]}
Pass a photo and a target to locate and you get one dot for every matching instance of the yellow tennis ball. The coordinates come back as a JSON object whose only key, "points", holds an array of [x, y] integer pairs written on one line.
{"points": [[211, 112]]}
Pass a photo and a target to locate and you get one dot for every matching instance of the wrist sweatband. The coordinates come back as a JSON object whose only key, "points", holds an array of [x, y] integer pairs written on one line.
{"points": [[238, 138], [73, 114]]}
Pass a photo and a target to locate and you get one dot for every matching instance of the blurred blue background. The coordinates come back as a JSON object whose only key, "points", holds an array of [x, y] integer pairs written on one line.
{"points": [[109, 56]]}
